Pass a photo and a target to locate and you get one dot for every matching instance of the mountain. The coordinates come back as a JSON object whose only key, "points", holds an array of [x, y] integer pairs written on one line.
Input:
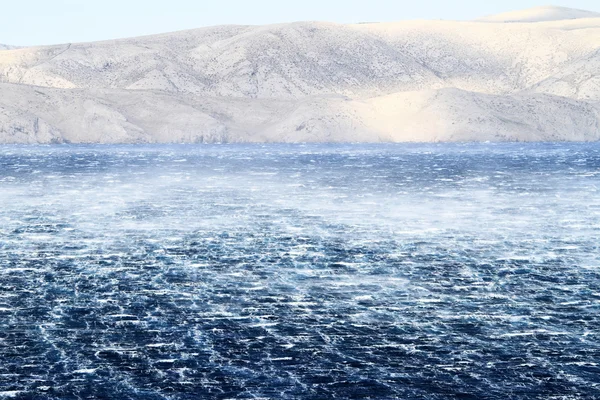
{"points": [[31, 114], [315, 81], [541, 14]]}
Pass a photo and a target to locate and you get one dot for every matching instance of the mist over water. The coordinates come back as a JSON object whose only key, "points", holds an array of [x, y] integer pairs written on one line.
{"points": [[300, 271]]}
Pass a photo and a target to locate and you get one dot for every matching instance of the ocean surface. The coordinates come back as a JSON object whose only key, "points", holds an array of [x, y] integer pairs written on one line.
{"points": [[466, 271]]}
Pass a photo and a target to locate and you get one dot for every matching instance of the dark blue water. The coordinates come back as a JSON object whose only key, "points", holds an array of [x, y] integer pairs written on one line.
{"points": [[300, 272]]}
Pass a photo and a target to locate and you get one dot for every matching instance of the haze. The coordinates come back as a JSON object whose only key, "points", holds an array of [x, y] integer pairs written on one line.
{"points": [[42, 22]]}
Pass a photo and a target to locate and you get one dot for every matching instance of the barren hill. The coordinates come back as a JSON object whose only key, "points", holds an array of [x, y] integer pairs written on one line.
{"points": [[498, 78]]}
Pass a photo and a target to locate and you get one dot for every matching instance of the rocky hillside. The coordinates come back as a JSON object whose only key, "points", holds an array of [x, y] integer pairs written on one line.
{"points": [[530, 75]]}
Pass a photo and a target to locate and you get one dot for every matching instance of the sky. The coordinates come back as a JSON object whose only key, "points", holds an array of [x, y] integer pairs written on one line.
{"points": [[39, 22]]}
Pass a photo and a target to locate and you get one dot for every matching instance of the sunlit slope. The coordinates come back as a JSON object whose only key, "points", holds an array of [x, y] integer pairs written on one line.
{"points": [[314, 81], [42, 115]]}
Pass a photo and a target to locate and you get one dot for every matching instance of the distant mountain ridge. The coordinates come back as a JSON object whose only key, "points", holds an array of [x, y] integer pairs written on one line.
{"points": [[541, 14], [315, 81]]}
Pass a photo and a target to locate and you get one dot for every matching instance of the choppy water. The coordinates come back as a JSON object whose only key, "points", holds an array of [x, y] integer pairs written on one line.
{"points": [[300, 272]]}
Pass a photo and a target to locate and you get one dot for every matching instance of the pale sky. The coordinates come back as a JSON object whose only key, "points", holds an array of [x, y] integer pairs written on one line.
{"points": [[36, 22]]}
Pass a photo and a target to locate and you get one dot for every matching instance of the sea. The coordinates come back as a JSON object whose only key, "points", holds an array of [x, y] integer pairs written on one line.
{"points": [[306, 271]]}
